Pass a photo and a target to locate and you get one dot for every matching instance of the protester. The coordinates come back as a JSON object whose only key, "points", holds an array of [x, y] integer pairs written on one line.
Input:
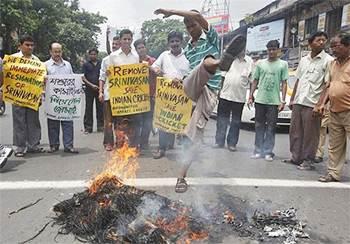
{"points": [[269, 74], [147, 117], [26, 123], [130, 124], [56, 65], [171, 64], [304, 130], [5, 152], [337, 91], [91, 70], [231, 101], [108, 137], [204, 81]]}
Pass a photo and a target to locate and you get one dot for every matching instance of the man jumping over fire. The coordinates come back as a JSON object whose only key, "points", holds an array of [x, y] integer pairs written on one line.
{"points": [[204, 81]]}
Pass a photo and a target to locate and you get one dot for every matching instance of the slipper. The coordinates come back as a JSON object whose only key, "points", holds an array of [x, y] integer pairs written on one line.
{"points": [[181, 185], [19, 154], [235, 47]]}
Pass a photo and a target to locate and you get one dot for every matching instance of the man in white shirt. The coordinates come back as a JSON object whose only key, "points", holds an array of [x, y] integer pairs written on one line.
{"points": [[171, 64], [108, 138], [130, 124], [56, 65], [305, 125], [231, 101]]}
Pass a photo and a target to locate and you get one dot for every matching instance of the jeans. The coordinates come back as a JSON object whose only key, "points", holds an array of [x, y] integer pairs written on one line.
{"points": [[226, 109], [90, 97], [147, 123], [265, 128], [53, 127]]}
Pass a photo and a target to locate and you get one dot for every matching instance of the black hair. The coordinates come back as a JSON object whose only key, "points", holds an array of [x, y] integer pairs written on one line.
{"points": [[138, 42], [344, 38], [188, 19], [273, 44], [26, 38], [125, 32], [94, 49], [116, 38], [50, 46], [175, 34], [316, 34]]}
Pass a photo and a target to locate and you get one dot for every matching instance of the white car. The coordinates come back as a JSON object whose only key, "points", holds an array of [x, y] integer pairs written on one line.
{"points": [[284, 117]]}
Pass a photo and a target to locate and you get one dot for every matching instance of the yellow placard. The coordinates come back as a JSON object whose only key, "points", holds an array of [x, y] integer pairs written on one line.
{"points": [[172, 110], [23, 81], [129, 89]]}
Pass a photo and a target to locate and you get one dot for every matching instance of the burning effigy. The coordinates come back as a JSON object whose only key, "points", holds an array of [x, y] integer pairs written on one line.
{"points": [[110, 211]]}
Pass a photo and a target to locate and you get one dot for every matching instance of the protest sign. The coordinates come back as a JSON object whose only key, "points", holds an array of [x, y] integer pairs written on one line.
{"points": [[172, 110], [63, 97], [129, 89], [23, 81]]}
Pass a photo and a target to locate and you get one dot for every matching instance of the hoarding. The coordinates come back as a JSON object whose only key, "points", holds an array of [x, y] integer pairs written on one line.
{"points": [[258, 36]]}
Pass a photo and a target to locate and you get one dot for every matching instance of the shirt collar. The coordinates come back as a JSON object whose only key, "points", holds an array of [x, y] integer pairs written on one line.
{"points": [[180, 54], [53, 62], [318, 56], [203, 36]]}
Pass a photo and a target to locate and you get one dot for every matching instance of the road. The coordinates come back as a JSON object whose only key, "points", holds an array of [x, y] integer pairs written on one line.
{"points": [[217, 174]]}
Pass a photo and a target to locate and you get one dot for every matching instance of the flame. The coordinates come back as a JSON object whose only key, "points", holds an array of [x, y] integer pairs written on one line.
{"points": [[229, 217], [122, 165]]}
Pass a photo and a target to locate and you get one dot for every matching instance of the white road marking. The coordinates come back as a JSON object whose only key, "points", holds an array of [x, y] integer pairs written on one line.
{"points": [[170, 182]]}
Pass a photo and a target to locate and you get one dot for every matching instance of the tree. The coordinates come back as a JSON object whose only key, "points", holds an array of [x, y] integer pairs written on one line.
{"points": [[48, 21], [155, 32]]}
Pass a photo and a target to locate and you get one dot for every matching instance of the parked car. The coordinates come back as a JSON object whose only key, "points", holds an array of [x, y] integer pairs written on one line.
{"points": [[284, 117]]}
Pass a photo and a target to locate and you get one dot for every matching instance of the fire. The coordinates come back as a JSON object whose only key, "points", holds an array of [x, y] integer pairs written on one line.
{"points": [[229, 217], [123, 165]]}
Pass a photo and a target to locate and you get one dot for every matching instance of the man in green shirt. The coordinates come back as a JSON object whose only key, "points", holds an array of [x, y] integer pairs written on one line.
{"points": [[269, 74]]}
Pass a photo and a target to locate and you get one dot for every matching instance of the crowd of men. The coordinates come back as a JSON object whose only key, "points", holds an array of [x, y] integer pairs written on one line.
{"points": [[320, 99]]}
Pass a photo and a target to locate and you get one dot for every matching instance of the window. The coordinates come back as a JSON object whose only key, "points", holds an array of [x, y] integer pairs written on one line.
{"points": [[333, 21], [311, 26]]}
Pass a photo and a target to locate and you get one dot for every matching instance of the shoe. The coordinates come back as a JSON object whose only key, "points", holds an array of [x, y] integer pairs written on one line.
{"points": [[327, 178], [71, 150], [218, 146], [19, 154], [306, 165], [5, 153], [36, 150], [318, 160], [108, 147], [268, 158], [235, 47], [232, 148], [159, 154], [86, 131], [181, 185], [53, 149], [256, 156]]}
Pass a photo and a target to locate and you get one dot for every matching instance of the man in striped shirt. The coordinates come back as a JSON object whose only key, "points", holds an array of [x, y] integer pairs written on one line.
{"points": [[202, 84]]}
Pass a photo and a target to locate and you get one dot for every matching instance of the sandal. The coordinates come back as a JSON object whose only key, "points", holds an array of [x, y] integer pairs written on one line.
{"points": [[19, 154], [181, 185], [290, 161]]}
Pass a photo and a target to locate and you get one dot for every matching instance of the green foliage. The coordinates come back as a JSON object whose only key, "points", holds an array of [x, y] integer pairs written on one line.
{"points": [[156, 31], [48, 21]]}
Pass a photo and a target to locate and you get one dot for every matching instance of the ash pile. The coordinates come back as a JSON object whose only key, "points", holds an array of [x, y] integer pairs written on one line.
{"points": [[118, 213]]}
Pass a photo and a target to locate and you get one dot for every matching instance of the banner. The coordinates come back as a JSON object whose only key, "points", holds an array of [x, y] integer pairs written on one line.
{"points": [[345, 20], [321, 22], [172, 110], [258, 36], [63, 97], [23, 81], [219, 23], [129, 89]]}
